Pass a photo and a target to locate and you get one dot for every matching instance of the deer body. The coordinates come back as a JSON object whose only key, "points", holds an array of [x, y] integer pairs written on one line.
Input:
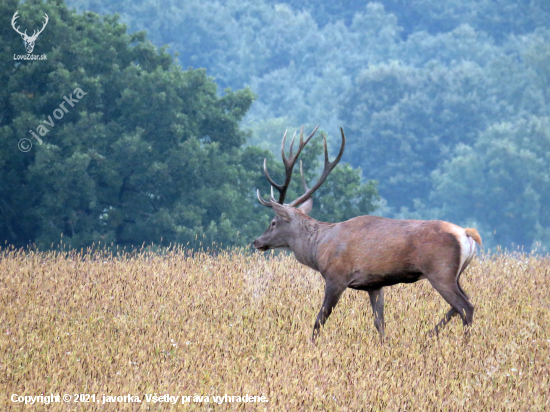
{"points": [[376, 251], [370, 252]]}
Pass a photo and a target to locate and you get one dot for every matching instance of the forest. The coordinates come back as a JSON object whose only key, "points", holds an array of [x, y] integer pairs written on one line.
{"points": [[445, 106]]}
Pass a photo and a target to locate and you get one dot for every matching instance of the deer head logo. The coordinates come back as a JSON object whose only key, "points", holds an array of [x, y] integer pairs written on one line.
{"points": [[29, 40]]}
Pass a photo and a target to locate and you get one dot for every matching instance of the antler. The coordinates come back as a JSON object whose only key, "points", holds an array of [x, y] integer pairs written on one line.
{"points": [[326, 171], [34, 34], [289, 165], [15, 17]]}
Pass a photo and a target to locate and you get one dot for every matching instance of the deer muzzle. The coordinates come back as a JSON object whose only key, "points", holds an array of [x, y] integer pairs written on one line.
{"points": [[258, 244]]}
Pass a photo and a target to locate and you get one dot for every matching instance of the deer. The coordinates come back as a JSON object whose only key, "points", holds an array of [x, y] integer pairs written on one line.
{"points": [[367, 253], [29, 40]]}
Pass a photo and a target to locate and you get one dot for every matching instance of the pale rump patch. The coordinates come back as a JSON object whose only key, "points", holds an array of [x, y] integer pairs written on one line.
{"points": [[467, 245], [467, 251]]}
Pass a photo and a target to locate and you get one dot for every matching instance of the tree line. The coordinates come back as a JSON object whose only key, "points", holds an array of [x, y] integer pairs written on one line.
{"points": [[445, 104], [151, 153]]}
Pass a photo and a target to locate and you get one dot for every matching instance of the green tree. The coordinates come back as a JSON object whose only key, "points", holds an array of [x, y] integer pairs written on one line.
{"points": [[149, 152], [146, 152], [497, 18], [404, 120], [501, 182]]}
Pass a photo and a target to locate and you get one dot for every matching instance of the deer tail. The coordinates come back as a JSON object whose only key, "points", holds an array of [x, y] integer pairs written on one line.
{"points": [[473, 234]]}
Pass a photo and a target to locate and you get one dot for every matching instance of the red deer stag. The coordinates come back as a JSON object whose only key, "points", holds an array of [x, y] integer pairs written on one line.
{"points": [[368, 252]]}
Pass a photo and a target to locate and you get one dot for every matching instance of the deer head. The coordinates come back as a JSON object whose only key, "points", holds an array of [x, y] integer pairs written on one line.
{"points": [[29, 40]]}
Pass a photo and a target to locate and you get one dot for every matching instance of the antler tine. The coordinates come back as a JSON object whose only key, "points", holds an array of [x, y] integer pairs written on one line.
{"points": [[341, 152], [279, 187], [261, 199], [300, 145], [326, 171], [265, 202], [283, 146], [291, 145], [311, 135], [272, 195]]}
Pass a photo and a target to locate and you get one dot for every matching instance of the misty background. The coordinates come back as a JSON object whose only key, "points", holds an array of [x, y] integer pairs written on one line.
{"points": [[445, 106]]}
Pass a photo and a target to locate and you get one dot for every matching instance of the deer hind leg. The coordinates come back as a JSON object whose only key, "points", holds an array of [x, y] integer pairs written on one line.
{"points": [[377, 303], [332, 296], [448, 285], [452, 312], [460, 304]]}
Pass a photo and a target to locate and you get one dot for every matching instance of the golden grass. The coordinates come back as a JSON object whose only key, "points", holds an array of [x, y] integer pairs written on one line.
{"points": [[239, 323]]}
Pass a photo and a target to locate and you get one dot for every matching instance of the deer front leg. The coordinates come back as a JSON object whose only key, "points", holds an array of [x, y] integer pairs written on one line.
{"points": [[332, 296], [377, 303]]}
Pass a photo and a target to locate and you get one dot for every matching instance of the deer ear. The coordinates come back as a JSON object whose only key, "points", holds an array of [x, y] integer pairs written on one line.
{"points": [[282, 211], [306, 206]]}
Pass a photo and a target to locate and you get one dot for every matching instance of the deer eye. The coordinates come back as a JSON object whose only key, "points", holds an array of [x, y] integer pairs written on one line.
{"points": [[273, 223]]}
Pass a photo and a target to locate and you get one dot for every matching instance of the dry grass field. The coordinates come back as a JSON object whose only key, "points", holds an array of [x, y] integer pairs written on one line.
{"points": [[239, 323]]}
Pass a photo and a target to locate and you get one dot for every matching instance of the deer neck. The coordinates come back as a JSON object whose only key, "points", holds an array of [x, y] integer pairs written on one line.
{"points": [[305, 243]]}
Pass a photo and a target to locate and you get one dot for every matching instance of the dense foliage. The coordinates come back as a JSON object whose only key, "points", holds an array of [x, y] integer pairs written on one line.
{"points": [[144, 151], [420, 85]]}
